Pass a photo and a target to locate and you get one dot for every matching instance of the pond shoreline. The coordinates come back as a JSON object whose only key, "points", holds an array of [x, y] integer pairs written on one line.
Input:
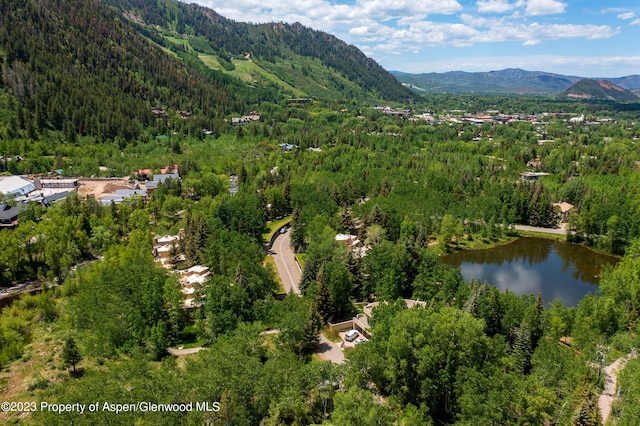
{"points": [[526, 231], [531, 265]]}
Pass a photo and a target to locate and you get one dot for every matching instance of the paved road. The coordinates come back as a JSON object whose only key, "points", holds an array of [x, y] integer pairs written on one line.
{"points": [[559, 231], [609, 393], [290, 275], [330, 351], [286, 264]]}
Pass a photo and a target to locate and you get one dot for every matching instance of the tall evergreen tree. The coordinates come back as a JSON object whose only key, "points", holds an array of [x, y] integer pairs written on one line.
{"points": [[522, 349], [309, 274], [71, 354], [323, 302], [312, 326]]}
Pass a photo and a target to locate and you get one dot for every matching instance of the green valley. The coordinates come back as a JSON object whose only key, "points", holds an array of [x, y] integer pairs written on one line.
{"points": [[151, 152]]}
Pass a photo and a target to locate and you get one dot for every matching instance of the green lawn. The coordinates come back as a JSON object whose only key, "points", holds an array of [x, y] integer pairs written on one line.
{"points": [[270, 263], [247, 71], [274, 226], [300, 257], [210, 61]]}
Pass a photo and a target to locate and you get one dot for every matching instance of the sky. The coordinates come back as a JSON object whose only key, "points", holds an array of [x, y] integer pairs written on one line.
{"points": [[586, 38]]}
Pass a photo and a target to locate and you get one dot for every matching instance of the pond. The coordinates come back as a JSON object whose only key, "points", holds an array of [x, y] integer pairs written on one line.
{"points": [[553, 268]]}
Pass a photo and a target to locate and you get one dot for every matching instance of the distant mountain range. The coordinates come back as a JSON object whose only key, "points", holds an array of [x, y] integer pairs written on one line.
{"points": [[508, 81]]}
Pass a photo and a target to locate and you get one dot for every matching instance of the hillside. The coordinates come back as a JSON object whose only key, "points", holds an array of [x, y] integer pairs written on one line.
{"points": [[99, 68], [512, 81], [599, 90], [74, 67], [299, 60]]}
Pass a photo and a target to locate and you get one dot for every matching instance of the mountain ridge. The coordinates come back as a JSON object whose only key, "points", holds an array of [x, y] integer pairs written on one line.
{"points": [[270, 43], [506, 81]]}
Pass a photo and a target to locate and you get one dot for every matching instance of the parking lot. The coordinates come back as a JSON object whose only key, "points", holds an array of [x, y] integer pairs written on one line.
{"points": [[347, 344]]}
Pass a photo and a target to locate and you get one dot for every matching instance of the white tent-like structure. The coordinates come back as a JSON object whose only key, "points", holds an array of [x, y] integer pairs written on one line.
{"points": [[15, 185]]}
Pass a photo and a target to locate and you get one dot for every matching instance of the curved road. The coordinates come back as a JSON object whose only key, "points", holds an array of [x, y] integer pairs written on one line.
{"points": [[286, 264], [290, 275]]}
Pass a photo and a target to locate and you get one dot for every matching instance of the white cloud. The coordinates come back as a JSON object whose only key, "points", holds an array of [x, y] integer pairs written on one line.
{"points": [[626, 15], [384, 40], [635, 22], [614, 10], [544, 7], [394, 28], [596, 62], [495, 6], [406, 8]]}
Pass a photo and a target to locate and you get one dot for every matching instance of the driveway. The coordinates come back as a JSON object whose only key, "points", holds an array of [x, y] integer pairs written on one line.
{"points": [[330, 351], [286, 264]]}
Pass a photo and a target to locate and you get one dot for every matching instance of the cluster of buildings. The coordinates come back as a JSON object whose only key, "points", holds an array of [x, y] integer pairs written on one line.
{"points": [[23, 190], [17, 191], [354, 245], [489, 116], [166, 252], [147, 183], [253, 117]]}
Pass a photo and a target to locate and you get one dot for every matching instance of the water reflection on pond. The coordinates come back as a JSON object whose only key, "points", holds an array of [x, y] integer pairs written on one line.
{"points": [[535, 265]]}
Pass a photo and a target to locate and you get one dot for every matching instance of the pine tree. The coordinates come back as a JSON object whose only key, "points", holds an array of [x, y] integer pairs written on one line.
{"points": [[174, 255], [312, 326], [309, 274], [522, 350], [323, 301], [586, 412], [286, 193], [353, 266], [347, 221], [297, 231], [240, 277], [493, 317], [195, 238], [536, 325], [71, 354]]}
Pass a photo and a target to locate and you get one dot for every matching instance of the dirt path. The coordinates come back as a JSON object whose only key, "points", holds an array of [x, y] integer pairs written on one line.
{"points": [[179, 352], [609, 393]]}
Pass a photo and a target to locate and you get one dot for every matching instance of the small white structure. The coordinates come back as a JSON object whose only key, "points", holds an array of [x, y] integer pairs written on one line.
{"points": [[162, 249], [188, 279]]}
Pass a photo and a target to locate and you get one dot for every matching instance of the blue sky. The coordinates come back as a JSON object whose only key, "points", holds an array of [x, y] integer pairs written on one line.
{"points": [[585, 38]]}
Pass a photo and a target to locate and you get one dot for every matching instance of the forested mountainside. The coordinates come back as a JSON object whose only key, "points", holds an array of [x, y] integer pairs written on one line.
{"points": [[317, 63], [73, 66], [83, 68]]}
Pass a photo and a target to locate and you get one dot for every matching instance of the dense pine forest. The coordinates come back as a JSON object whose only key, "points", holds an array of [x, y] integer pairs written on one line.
{"points": [[115, 88]]}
